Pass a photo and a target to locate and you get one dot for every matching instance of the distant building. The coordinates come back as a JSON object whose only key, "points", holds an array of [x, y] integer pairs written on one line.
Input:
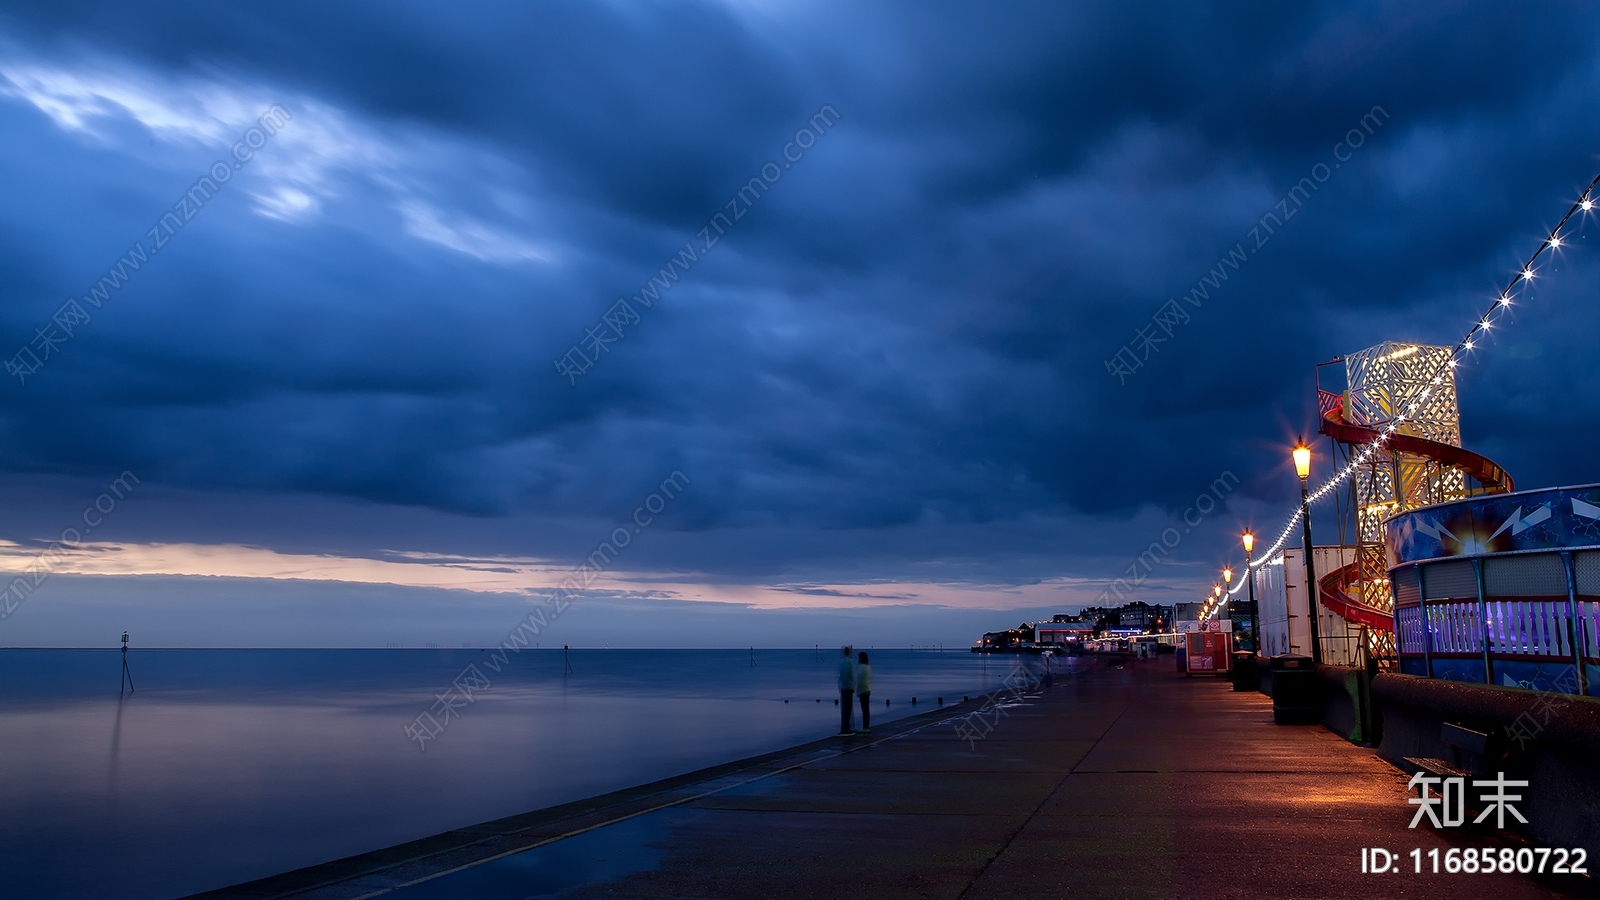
{"points": [[1139, 614], [1010, 640], [1059, 631], [1135, 615], [1131, 618]]}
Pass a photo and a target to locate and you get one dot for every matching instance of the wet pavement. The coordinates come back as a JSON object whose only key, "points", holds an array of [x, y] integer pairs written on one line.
{"points": [[1126, 782]]}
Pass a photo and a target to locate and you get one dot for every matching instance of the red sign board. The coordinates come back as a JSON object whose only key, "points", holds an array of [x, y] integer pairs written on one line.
{"points": [[1209, 652]]}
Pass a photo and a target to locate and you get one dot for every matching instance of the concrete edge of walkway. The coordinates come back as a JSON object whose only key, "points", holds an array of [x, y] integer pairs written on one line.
{"points": [[525, 831]]}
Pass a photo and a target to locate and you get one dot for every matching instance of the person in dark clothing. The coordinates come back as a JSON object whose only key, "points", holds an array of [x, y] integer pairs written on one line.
{"points": [[847, 689]]}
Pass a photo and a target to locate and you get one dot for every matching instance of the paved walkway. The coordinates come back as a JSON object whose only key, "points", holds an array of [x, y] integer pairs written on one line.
{"points": [[1129, 782]]}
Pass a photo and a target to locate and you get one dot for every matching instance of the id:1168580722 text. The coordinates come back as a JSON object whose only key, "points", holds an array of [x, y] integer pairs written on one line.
{"points": [[1479, 861]]}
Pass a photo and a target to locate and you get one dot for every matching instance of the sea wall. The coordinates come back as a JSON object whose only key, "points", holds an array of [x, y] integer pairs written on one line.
{"points": [[1341, 702], [1552, 741]]}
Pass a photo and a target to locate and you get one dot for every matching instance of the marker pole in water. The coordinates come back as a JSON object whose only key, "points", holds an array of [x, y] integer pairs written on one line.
{"points": [[127, 674], [566, 657]]}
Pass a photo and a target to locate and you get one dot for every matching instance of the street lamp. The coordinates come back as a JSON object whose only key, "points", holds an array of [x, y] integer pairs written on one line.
{"points": [[1227, 587], [1255, 625], [1302, 467], [1244, 670]]}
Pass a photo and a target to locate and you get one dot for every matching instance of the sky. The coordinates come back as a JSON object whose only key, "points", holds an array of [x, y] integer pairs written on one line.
{"points": [[371, 323]]}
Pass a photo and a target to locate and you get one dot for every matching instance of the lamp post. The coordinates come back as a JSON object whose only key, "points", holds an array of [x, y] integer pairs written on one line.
{"points": [[1227, 588], [1244, 667], [1255, 624], [1302, 467], [1227, 585]]}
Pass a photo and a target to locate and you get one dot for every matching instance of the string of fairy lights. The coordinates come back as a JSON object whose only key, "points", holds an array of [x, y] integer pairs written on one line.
{"points": [[1519, 283]]}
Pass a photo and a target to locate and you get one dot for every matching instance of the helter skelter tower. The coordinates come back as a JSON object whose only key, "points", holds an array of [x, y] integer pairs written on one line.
{"points": [[1423, 463]]}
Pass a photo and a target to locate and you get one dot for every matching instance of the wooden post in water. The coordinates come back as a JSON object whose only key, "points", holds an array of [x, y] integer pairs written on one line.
{"points": [[127, 674]]}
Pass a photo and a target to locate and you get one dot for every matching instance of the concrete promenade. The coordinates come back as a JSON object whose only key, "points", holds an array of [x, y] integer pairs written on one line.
{"points": [[1124, 782]]}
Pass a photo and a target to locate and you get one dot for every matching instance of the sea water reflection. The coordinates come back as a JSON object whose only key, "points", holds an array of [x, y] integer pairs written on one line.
{"points": [[229, 765]]}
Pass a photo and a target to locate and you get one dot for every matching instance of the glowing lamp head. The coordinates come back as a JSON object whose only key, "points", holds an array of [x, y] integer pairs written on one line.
{"points": [[1587, 204], [1302, 459], [1227, 574]]}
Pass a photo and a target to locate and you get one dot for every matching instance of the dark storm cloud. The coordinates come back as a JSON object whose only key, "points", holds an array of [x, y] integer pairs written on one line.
{"points": [[910, 329]]}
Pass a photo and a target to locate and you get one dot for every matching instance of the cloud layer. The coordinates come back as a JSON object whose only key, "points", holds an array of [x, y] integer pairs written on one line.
{"points": [[903, 341]]}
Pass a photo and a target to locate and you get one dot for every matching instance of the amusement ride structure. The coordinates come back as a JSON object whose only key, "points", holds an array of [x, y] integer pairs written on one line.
{"points": [[1397, 427], [1422, 463]]}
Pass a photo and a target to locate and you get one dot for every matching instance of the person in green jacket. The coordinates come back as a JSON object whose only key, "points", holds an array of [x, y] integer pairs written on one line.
{"points": [[864, 691]]}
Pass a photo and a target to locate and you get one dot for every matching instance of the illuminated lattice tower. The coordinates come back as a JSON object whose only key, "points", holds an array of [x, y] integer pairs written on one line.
{"points": [[1384, 380]]}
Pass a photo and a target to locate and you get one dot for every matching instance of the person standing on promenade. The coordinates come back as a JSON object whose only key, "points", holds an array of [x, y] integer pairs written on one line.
{"points": [[847, 689], [864, 691]]}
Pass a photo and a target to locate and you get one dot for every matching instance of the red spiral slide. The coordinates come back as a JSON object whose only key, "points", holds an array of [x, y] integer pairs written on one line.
{"points": [[1336, 597], [1494, 479], [1335, 586]]}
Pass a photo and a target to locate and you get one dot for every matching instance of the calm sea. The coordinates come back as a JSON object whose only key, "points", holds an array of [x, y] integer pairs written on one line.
{"points": [[229, 765]]}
